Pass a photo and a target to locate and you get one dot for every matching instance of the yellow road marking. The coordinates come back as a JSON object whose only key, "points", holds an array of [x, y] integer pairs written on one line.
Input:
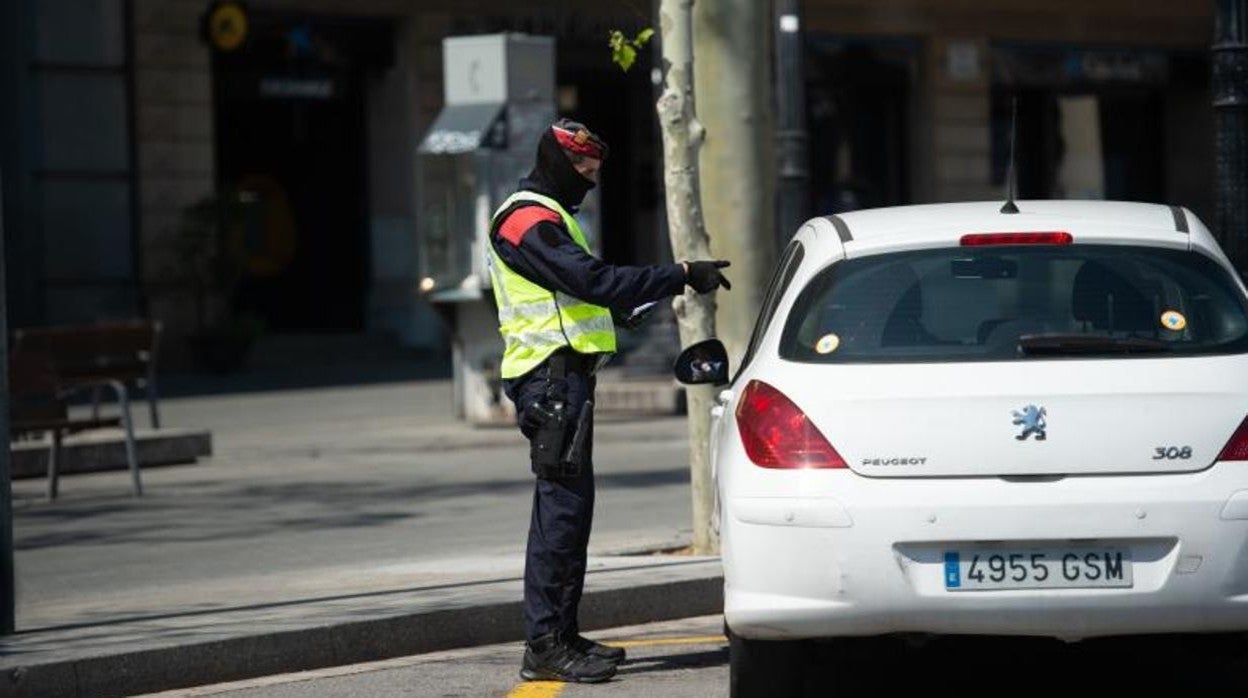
{"points": [[537, 689], [549, 689], [660, 641]]}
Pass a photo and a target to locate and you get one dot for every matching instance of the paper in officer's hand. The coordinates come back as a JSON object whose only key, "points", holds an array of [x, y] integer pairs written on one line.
{"points": [[640, 312]]}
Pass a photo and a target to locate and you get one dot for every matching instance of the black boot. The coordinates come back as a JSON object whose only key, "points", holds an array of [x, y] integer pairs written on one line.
{"points": [[597, 649], [551, 658]]}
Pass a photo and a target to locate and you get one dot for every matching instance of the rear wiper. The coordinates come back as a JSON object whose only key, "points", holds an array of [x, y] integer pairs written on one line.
{"points": [[1032, 344]]}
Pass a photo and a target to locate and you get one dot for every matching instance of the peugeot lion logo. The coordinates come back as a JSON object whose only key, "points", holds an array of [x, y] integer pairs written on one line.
{"points": [[1031, 419]]}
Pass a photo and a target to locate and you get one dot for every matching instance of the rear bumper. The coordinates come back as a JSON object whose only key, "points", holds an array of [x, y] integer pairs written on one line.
{"points": [[869, 559]]}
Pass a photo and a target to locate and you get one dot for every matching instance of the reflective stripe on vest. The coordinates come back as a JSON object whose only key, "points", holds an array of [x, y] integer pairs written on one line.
{"points": [[536, 322]]}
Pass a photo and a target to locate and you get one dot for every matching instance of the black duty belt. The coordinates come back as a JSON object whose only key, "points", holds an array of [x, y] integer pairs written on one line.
{"points": [[566, 362]]}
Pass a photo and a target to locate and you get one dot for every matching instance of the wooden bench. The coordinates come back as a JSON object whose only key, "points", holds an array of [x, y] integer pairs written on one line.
{"points": [[48, 366], [95, 354]]}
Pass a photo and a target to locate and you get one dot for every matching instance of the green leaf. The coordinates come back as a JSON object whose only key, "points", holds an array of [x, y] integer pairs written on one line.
{"points": [[624, 50], [624, 56]]}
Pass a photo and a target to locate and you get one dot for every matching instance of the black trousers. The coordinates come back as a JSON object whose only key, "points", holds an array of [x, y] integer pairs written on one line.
{"points": [[562, 515]]}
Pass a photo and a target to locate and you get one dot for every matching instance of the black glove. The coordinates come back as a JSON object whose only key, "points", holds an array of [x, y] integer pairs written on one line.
{"points": [[704, 276]]}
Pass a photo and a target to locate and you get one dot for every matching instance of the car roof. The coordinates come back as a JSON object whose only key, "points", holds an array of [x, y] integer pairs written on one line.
{"points": [[986, 215], [938, 225]]}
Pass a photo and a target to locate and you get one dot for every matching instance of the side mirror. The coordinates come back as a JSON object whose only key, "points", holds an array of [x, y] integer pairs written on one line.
{"points": [[704, 362]]}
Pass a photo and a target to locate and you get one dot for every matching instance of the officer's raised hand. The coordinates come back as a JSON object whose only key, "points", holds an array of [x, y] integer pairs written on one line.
{"points": [[704, 276]]}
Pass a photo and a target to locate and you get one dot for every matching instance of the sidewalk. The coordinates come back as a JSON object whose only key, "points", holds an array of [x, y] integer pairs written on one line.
{"points": [[478, 604], [332, 525]]}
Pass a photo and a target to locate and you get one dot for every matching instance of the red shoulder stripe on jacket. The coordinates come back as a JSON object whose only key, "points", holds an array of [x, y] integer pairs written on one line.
{"points": [[522, 220]]}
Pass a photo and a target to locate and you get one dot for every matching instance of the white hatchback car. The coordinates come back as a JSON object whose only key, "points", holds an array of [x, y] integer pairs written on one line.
{"points": [[958, 421]]}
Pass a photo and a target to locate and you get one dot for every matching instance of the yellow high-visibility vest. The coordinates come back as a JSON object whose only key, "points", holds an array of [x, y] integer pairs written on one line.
{"points": [[536, 322]]}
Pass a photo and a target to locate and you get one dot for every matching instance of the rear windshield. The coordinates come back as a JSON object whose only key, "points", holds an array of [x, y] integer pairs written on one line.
{"points": [[1017, 302]]}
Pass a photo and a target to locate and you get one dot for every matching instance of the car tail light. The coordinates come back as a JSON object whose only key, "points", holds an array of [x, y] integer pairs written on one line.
{"points": [[1237, 447], [1055, 237], [777, 434]]}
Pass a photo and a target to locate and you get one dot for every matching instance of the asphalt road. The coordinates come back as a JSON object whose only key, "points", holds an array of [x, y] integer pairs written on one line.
{"points": [[320, 492], [689, 659]]}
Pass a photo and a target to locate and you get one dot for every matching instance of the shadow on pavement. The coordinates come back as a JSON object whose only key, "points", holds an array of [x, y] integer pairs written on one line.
{"points": [[292, 362], [193, 511], [1026, 666], [675, 662]]}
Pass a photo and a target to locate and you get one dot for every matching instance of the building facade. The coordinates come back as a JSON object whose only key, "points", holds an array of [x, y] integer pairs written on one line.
{"points": [[128, 118], [912, 102]]}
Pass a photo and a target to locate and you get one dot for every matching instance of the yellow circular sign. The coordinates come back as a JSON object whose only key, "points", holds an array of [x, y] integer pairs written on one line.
{"points": [[827, 344], [227, 26], [1173, 320]]}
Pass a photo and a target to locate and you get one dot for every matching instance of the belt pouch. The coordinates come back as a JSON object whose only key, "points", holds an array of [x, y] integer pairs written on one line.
{"points": [[547, 443]]}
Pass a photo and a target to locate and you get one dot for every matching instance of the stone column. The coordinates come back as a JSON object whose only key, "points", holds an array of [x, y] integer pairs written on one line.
{"points": [[960, 146], [175, 147]]}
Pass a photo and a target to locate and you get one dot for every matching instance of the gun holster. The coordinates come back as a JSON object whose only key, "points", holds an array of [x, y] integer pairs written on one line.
{"points": [[559, 447], [550, 416]]}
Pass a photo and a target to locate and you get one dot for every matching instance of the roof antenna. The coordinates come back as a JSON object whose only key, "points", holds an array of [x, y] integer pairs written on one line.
{"points": [[1011, 177]]}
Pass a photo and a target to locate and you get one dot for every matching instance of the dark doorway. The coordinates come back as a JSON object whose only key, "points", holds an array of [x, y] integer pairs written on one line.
{"points": [[1091, 120], [290, 125], [619, 106], [1079, 143], [858, 107]]}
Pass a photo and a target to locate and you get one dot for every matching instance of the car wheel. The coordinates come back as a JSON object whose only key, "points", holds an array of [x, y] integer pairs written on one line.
{"points": [[771, 668]]}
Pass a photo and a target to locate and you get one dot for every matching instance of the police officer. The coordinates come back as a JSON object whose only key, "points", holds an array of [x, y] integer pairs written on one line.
{"points": [[557, 306]]}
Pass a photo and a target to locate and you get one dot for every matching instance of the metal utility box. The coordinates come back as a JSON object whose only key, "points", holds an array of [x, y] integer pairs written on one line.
{"points": [[499, 95], [499, 92]]}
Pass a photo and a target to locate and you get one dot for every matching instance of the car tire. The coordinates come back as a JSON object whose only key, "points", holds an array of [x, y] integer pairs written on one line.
{"points": [[770, 668]]}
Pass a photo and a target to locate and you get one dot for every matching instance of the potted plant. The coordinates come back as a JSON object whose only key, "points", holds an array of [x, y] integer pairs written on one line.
{"points": [[223, 337]]}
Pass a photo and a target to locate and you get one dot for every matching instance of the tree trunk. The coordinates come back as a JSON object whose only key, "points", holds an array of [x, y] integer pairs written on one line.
{"points": [[733, 78], [695, 314]]}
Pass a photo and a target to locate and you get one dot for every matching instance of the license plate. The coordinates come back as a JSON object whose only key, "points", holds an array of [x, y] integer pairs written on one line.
{"points": [[978, 569]]}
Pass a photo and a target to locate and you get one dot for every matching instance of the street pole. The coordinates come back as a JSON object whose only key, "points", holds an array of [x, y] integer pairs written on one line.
{"points": [[792, 191], [1230, 108], [8, 604]]}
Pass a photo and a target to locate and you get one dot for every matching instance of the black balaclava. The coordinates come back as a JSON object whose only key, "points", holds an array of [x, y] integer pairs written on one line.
{"points": [[554, 174]]}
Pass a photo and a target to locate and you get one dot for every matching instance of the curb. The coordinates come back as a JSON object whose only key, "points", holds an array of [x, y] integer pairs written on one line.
{"points": [[249, 656]]}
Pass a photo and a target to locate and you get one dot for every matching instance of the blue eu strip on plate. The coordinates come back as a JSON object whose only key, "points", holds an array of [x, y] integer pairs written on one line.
{"points": [[953, 575]]}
